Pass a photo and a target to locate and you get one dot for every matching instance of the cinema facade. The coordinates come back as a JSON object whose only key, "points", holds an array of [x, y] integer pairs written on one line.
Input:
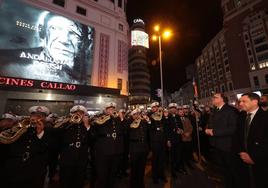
{"points": [[60, 53]]}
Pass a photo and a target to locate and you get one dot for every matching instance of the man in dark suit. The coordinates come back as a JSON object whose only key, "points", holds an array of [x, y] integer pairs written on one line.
{"points": [[221, 129], [252, 138], [264, 102]]}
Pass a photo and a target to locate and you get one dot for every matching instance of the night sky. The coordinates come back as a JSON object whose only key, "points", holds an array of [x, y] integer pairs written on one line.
{"points": [[194, 23]]}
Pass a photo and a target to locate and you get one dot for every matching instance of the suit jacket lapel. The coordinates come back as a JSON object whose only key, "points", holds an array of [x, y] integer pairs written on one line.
{"points": [[254, 121], [255, 118]]}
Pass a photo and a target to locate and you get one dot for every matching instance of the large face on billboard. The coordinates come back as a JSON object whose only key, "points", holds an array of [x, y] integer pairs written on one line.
{"points": [[38, 44]]}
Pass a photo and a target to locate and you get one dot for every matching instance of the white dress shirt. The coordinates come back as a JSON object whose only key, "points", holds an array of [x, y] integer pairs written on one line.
{"points": [[253, 113]]}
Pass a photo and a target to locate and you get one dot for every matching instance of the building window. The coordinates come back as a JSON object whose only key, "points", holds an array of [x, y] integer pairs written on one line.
{"points": [[121, 27], [125, 6], [259, 40], [237, 3], [216, 90], [59, 2], [119, 83], [231, 86], [266, 78], [261, 48], [120, 3], [122, 64], [127, 86], [227, 69], [263, 57], [222, 88], [81, 10], [103, 60], [256, 81]]}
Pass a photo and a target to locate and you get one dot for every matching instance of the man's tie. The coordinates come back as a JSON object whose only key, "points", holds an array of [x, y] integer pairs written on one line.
{"points": [[247, 126]]}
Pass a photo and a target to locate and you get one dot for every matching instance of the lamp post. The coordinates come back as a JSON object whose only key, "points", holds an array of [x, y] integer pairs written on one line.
{"points": [[158, 36]]}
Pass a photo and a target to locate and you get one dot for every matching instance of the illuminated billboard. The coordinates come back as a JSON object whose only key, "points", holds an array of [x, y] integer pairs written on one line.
{"points": [[139, 38], [38, 44]]}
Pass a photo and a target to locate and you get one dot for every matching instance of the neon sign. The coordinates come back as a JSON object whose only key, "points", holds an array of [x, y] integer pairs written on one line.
{"points": [[26, 83]]}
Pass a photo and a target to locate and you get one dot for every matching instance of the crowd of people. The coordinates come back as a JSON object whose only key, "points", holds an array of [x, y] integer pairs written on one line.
{"points": [[110, 144]]}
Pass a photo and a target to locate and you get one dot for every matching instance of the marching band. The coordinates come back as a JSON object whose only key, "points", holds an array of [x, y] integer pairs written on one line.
{"points": [[42, 145]]}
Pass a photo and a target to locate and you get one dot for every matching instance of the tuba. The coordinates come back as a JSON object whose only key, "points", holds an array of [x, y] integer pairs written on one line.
{"points": [[11, 135]]}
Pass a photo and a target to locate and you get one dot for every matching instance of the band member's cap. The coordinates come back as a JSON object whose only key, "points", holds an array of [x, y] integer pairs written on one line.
{"points": [[9, 116], [122, 110], [180, 107], [110, 104], [154, 104], [78, 108], [137, 110], [172, 105], [39, 109], [185, 106], [165, 110], [22, 117]]}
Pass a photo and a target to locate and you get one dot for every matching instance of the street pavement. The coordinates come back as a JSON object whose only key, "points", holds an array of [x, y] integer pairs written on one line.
{"points": [[202, 176], [199, 177]]}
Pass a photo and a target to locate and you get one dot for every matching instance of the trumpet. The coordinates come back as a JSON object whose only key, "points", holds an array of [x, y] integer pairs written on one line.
{"points": [[75, 118], [115, 114]]}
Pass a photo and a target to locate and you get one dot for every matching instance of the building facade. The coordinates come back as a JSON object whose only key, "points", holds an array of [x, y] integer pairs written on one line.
{"points": [[213, 69], [108, 18], [234, 61], [98, 26]]}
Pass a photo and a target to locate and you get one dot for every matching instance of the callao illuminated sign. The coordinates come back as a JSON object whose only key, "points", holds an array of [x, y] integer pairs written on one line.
{"points": [[6, 81], [138, 21]]}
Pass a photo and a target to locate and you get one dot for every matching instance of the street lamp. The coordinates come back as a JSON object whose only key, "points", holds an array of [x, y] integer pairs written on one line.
{"points": [[165, 34]]}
